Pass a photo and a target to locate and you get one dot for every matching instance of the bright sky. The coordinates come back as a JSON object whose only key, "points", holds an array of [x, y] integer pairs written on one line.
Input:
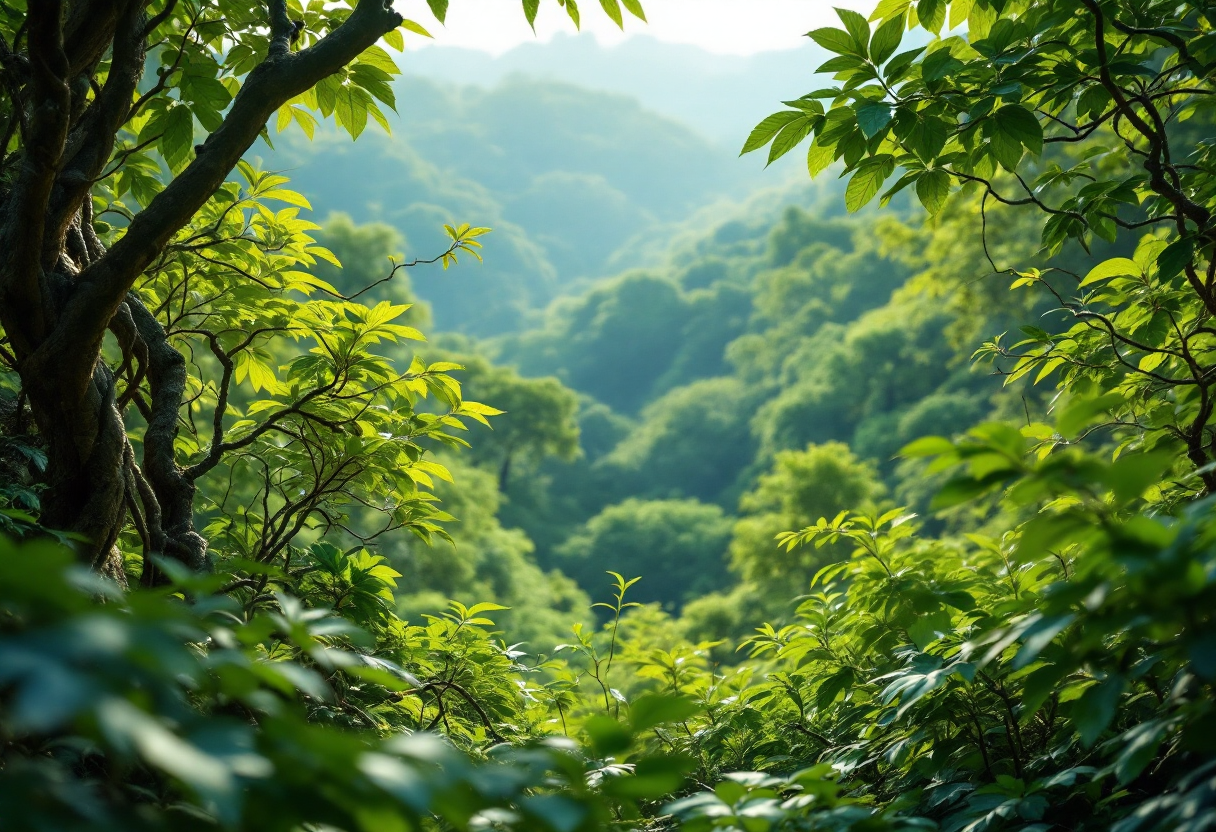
{"points": [[736, 27]]}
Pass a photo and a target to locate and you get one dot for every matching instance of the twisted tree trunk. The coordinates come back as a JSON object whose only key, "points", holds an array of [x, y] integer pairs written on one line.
{"points": [[61, 289]]}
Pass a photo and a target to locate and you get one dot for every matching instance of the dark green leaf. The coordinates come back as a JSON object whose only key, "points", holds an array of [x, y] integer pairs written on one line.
{"points": [[931, 14], [1176, 256], [932, 189], [873, 117], [1016, 121], [1083, 412], [1093, 712], [607, 735], [178, 138]]}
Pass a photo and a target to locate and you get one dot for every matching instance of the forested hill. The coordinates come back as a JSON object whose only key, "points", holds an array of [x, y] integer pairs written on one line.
{"points": [[573, 179], [716, 499], [678, 336]]}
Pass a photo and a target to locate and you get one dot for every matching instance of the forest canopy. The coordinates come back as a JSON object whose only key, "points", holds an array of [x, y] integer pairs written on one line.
{"points": [[867, 504]]}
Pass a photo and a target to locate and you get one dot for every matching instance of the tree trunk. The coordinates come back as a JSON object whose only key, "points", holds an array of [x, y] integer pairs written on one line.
{"points": [[61, 289], [86, 444]]}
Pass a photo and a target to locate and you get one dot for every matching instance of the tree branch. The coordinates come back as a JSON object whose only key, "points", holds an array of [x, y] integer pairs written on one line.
{"points": [[22, 237], [105, 283]]}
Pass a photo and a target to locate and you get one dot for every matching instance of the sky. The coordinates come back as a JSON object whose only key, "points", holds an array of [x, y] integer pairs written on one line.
{"points": [[729, 27]]}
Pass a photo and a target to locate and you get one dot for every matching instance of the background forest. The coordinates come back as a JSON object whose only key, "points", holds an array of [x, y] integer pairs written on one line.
{"points": [[418, 440], [694, 352]]}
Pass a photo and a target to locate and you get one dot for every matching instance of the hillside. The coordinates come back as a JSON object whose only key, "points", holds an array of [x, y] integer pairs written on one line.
{"points": [[565, 176]]}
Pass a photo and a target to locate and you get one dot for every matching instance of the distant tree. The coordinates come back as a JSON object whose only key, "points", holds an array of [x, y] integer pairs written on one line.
{"points": [[539, 418], [367, 253], [613, 342], [677, 546], [694, 441], [801, 487]]}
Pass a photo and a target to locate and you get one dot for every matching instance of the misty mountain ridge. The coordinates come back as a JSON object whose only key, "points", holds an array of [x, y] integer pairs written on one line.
{"points": [[576, 182], [720, 96]]}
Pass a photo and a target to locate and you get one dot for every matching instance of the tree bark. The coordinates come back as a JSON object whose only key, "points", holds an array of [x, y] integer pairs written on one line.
{"points": [[61, 290]]}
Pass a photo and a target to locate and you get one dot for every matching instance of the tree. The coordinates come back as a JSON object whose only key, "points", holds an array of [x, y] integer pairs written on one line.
{"points": [[677, 546], [539, 418], [613, 343], [691, 442], [802, 486], [1039, 97], [87, 137]]}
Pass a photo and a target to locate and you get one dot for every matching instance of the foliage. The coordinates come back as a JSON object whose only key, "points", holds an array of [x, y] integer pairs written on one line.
{"points": [[679, 545], [1041, 657], [151, 712], [366, 254], [693, 440], [568, 176], [295, 417], [537, 419], [820, 481], [998, 112], [629, 320]]}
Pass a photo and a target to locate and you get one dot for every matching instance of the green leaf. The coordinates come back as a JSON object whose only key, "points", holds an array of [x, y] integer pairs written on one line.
{"points": [[873, 117], [1016, 121], [959, 10], [439, 8], [833, 687], [763, 132], [178, 137], [1083, 412], [1175, 258], [613, 10], [1140, 749], [927, 446], [350, 109], [886, 40], [931, 14], [653, 777], [867, 179], [1133, 474], [634, 7], [530, 9], [858, 29], [834, 40], [818, 157], [933, 189], [1094, 710], [1115, 267], [790, 135], [652, 709], [204, 91], [890, 10], [1036, 638], [927, 137], [607, 735]]}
